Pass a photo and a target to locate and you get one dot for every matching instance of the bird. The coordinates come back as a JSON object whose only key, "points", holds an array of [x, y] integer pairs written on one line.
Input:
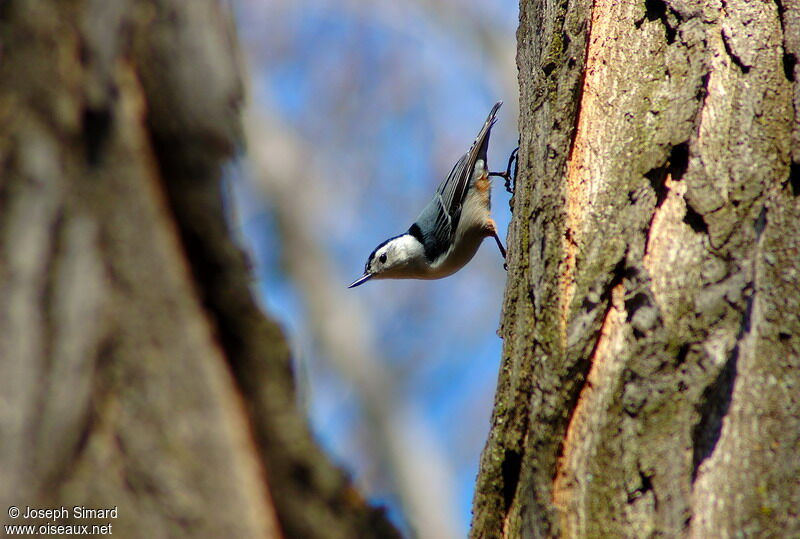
{"points": [[447, 233]]}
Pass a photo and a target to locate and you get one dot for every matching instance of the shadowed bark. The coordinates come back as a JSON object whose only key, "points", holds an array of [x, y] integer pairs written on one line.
{"points": [[652, 317], [136, 369]]}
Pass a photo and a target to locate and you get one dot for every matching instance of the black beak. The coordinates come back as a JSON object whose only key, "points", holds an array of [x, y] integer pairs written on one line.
{"points": [[361, 280]]}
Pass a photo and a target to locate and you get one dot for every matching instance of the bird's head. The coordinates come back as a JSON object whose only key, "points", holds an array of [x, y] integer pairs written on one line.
{"points": [[401, 257]]}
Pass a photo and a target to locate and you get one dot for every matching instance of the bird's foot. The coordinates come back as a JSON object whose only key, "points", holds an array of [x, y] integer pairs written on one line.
{"points": [[510, 179]]}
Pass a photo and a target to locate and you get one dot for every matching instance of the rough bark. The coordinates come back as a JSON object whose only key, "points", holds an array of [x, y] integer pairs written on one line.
{"points": [[651, 363], [136, 369]]}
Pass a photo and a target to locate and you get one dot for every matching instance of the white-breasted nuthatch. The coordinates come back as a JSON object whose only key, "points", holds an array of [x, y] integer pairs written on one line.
{"points": [[452, 226]]}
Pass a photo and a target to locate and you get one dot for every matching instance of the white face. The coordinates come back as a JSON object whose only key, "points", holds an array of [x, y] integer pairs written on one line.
{"points": [[402, 257], [384, 258]]}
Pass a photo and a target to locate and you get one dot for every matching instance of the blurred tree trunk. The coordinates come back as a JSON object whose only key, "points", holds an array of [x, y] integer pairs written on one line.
{"points": [[136, 369], [651, 367]]}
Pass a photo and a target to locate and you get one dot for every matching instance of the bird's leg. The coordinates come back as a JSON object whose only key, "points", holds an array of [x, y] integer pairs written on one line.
{"points": [[491, 230], [509, 179], [500, 245]]}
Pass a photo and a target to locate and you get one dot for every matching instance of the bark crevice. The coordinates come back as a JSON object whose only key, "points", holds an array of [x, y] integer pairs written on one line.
{"points": [[660, 10], [714, 406], [97, 126], [512, 464], [715, 402], [695, 220], [789, 63], [735, 58], [794, 178]]}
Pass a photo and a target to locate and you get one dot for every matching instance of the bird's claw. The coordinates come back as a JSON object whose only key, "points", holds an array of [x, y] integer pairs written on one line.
{"points": [[510, 180]]}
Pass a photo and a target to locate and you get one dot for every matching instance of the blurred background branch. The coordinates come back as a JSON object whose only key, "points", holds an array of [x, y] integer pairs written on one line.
{"points": [[344, 332], [138, 369]]}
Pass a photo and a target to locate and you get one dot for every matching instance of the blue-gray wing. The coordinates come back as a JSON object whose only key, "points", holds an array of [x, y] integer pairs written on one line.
{"points": [[437, 224]]}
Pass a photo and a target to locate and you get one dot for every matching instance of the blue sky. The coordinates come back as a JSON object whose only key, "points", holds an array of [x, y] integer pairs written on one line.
{"points": [[383, 99]]}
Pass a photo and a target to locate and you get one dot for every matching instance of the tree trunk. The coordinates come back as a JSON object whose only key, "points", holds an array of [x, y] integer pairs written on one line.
{"points": [[136, 369], [651, 366]]}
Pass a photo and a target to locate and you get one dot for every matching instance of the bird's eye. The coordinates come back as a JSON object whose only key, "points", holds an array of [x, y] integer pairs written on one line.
{"points": [[382, 258]]}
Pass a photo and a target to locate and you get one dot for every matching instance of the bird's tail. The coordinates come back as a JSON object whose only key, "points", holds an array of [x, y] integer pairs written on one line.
{"points": [[481, 144]]}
